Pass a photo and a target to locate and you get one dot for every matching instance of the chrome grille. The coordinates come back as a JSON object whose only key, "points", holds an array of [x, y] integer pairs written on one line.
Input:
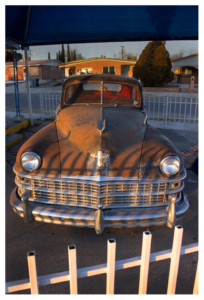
{"points": [[87, 193], [66, 199], [82, 200], [142, 200], [133, 188], [75, 187], [96, 189]]}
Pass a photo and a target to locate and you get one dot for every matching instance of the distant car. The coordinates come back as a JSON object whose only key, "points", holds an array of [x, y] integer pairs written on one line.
{"points": [[100, 164]]}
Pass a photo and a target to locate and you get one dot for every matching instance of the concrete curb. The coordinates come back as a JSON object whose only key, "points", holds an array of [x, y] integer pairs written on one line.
{"points": [[12, 138], [18, 127]]}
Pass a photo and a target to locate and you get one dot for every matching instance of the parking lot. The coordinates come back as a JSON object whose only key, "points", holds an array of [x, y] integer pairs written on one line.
{"points": [[50, 241]]}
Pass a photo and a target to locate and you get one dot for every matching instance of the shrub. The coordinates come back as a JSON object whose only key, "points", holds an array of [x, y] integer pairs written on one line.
{"points": [[154, 65]]}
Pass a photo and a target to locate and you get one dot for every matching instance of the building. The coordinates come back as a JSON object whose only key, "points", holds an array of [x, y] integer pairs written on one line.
{"points": [[41, 69], [185, 67], [100, 66]]}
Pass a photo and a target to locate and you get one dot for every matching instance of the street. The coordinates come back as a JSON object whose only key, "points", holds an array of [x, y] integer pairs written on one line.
{"points": [[50, 241]]}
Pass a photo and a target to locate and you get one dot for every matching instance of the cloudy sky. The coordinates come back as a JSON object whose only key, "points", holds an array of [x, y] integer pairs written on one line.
{"points": [[109, 49]]}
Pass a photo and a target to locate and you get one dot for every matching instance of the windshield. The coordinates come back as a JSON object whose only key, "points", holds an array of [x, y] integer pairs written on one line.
{"points": [[106, 93]]}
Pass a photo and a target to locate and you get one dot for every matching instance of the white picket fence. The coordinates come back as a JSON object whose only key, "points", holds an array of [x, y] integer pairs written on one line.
{"points": [[165, 109], [35, 281]]}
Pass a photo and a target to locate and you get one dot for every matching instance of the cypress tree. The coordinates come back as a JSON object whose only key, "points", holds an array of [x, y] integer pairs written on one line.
{"points": [[62, 54], [68, 53], [154, 65]]}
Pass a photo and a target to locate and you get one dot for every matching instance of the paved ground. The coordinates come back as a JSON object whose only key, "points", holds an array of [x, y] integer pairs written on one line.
{"points": [[51, 241]]}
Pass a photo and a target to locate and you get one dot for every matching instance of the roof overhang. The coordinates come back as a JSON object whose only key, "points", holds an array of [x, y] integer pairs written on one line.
{"points": [[28, 26]]}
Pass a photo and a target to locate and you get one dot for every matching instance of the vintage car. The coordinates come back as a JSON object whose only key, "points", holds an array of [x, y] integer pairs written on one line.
{"points": [[100, 164]]}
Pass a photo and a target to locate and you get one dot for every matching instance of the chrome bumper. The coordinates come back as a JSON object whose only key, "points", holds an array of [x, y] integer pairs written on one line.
{"points": [[132, 217]]}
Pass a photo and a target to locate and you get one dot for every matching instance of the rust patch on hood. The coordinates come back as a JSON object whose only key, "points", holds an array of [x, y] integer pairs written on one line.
{"points": [[80, 141]]}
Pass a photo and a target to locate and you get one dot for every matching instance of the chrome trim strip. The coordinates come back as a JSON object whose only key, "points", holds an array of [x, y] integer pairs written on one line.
{"points": [[98, 179]]}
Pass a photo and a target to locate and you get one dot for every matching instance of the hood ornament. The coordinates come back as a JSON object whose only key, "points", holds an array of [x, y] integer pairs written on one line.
{"points": [[102, 122], [100, 158], [101, 125]]}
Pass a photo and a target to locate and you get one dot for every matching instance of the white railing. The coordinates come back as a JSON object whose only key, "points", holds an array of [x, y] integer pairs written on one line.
{"points": [[34, 281], [48, 105], [172, 109], [166, 109]]}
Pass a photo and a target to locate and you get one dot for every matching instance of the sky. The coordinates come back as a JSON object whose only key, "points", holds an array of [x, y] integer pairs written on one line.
{"points": [[110, 49]]}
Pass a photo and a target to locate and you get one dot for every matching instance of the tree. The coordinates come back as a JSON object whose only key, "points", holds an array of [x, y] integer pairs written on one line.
{"points": [[179, 55], [62, 54], [73, 54], [9, 56], [125, 55], [175, 56], [79, 56], [154, 65], [68, 53]]}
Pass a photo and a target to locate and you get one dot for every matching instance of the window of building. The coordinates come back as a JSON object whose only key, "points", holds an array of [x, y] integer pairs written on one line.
{"points": [[187, 72], [12, 71], [86, 70], [108, 70], [33, 70]]}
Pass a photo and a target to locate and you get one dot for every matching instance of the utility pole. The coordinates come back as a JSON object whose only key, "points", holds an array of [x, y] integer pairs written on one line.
{"points": [[30, 53], [122, 51]]}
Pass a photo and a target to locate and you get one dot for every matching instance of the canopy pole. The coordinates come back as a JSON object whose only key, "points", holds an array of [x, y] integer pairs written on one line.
{"points": [[28, 86]]}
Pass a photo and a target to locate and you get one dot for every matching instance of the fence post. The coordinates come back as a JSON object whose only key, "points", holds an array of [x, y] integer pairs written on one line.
{"points": [[110, 277], [144, 268], [73, 269], [195, 289], [32, 272], [167, 102], [175, 258]]}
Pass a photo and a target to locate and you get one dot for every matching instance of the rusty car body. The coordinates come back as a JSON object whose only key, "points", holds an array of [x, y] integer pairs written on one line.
{"points": [[100, 164]]}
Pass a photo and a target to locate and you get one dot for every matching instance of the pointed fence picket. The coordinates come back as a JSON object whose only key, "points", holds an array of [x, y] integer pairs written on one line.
{"points": [[34, 281]]}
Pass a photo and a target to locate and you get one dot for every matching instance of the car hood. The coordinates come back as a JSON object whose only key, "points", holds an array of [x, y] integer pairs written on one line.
{"points": [[71, 145], [95, 140]]}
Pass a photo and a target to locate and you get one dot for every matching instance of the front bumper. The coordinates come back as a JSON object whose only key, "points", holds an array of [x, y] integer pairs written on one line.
{"points": [[131, 217]]}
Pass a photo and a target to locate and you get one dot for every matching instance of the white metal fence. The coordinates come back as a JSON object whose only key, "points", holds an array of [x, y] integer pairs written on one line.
{"points": [[48, 105], [172, 109], [166, 109], [35, 281]]}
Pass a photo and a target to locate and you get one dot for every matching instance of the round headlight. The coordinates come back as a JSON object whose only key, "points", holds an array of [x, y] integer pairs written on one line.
{"points": [[30, 161], [170, 165]]}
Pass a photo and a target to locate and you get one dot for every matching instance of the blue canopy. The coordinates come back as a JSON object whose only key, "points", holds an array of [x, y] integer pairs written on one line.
{"points": [[46, 25]]}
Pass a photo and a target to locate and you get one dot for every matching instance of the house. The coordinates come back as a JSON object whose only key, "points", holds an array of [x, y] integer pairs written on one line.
{"points": [[41, 69], [185, 67], [100, 66]]}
